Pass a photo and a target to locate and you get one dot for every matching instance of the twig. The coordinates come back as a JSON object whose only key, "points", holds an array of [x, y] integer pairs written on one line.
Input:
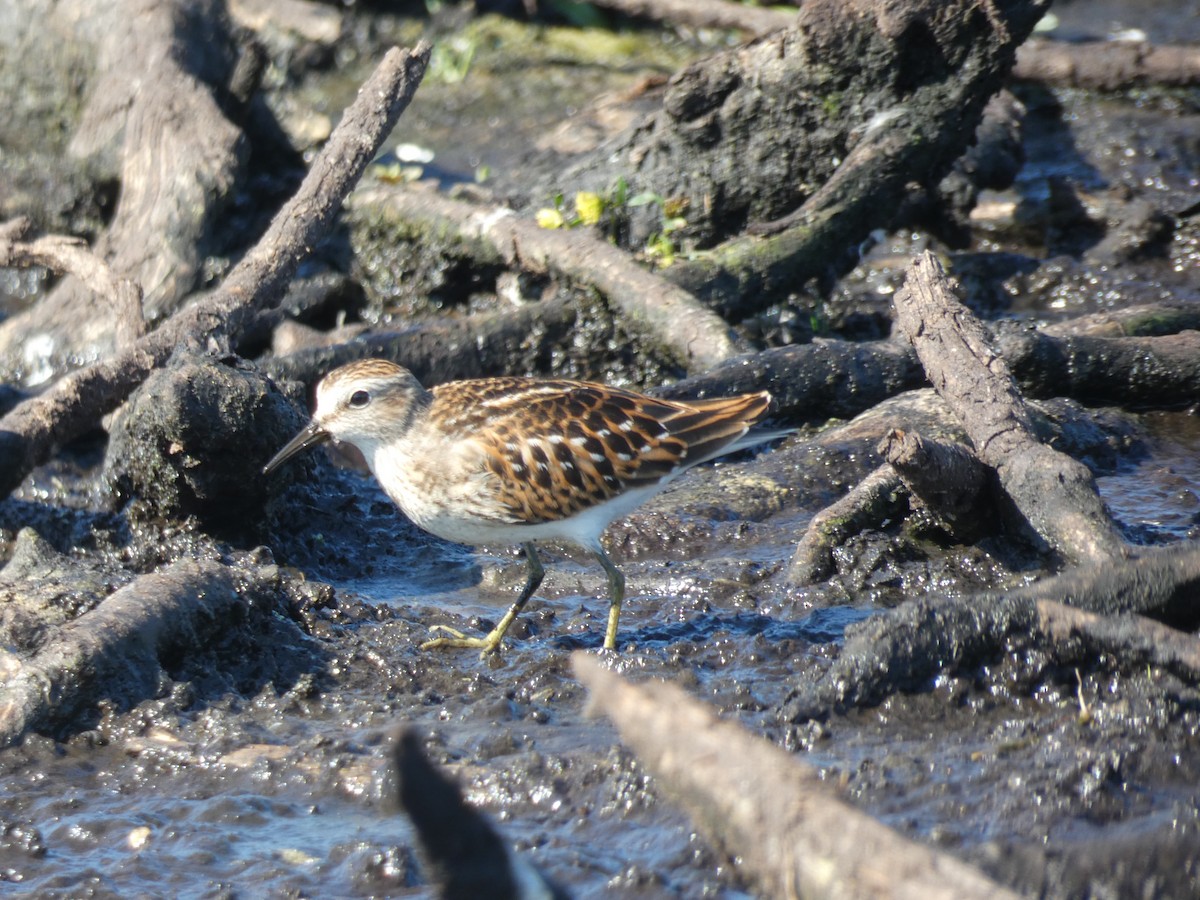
{"points": [[30, 432]]}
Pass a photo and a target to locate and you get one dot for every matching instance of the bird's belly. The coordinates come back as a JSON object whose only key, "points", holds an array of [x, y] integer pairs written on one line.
{"points": [[463, 506]]}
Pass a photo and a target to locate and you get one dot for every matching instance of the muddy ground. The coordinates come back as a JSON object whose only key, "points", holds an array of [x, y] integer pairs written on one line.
{"points": [[256, 767]]}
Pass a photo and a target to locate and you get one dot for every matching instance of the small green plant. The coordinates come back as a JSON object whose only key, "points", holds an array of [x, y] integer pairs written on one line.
{"points": [[610, 210], [451, 59]]}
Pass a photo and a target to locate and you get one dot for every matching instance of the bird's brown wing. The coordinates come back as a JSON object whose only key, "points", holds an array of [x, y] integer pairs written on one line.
{"points": [[559, 447]]}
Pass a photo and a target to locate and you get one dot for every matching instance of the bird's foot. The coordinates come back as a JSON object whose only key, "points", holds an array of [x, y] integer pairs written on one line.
{"points": [[487, 644]]}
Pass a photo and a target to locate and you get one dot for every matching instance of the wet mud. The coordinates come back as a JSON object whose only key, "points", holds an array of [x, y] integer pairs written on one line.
{"points": [[258, 765]]}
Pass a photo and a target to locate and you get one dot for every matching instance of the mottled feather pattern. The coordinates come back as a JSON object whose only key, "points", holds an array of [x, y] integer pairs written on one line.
{"points": [[559, 447]]}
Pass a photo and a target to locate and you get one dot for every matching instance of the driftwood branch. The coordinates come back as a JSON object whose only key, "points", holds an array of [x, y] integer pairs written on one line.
{"points": [[1108, 65], [792, 835], [695, 337], [71, 256], [1053, 493], [121, 641], [31, 431]]}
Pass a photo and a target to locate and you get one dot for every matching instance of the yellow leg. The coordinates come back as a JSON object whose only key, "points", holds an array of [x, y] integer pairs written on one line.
{"points": [[491, 642], [616, 594]]}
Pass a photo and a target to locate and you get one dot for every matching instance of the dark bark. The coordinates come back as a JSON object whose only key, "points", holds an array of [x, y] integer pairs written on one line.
{"points": [[1158, 372], [475, 347], [31, 431], [822, 379], [833, 117]]}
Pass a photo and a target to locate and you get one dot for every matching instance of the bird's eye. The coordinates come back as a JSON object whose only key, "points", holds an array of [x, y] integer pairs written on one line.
{"points": [[359, 399]]}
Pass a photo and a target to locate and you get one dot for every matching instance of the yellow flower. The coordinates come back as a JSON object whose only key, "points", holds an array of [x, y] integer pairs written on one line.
{"points": [[589, 207], [549, 218]]}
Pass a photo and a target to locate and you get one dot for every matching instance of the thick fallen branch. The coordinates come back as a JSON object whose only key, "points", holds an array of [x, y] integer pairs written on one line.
{"points": [[474, 347], [791, 834], [118, 646], [692, 335], [821, 379], [1053, 493], [1108, 65], [1157, 372], [30, 432]]}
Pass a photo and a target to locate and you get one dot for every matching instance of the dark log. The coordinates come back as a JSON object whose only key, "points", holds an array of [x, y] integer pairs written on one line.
{"points": [[30, 432], [821, 379], [478, 346], [1052, 493], [787, 830], [1157, 372]]}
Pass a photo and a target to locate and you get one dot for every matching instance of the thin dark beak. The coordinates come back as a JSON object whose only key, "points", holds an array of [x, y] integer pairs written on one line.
{"points": [[311, 436]]}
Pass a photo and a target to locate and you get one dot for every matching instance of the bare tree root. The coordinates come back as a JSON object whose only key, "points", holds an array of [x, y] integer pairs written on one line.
{"points": [[119, 642], [689, 332], [945, 478], [790, 833], [1052, 493], [903, 648], [31, 431], [873, 499]]}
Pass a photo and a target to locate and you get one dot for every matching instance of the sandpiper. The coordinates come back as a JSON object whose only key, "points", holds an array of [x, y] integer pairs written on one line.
{"points": [[521, 460]]}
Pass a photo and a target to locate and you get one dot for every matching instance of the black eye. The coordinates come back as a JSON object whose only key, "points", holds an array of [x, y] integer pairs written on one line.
{"points": [[359, 399]]}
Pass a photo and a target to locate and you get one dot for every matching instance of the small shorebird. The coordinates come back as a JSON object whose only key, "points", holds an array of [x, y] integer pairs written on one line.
{"points": [[519, 460]]}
